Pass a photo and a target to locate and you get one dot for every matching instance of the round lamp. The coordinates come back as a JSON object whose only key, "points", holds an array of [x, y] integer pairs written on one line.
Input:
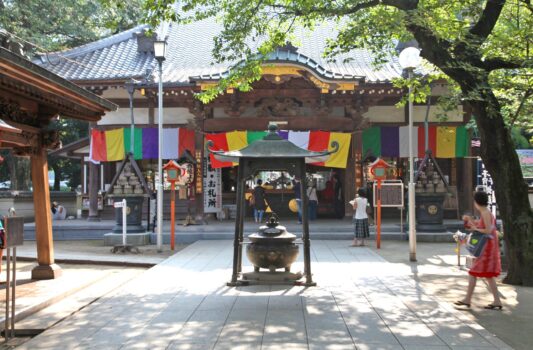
{"points": [[409, 58]]}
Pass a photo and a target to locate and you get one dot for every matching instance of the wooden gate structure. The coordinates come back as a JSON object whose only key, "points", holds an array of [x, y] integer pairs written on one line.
{"points": [[30, 97]]}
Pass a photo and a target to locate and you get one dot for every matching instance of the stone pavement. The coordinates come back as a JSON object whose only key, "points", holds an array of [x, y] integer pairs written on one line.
{"points": [[361, 302]]}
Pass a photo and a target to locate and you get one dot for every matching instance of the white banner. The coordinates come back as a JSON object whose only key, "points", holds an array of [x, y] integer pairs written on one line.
{"points": [[212, 187]]}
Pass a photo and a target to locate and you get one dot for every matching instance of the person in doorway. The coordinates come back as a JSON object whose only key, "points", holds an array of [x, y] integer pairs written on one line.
{"points": [[58, 211], [488, 265], [298, 196], [338, 200], [360, 218], [259, 205], [313, 201]]}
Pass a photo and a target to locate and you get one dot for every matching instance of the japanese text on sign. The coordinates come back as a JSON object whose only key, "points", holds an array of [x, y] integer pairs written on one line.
{"points": [[212, 187], [391, 194]]}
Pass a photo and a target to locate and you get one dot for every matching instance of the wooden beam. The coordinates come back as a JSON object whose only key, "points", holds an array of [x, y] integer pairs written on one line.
{"points": [[294, 123], [46, 269]]}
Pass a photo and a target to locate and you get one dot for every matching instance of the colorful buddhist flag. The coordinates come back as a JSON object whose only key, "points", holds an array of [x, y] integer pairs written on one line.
{"points": [[253, 136], [137, 142], [98, 151], [432, 137], [170, 142], [339, 158], [299, 138], [186, 141], [150, 143], [390, 141], [220, 143], [372, 141], [446, 139], [461, 142]]}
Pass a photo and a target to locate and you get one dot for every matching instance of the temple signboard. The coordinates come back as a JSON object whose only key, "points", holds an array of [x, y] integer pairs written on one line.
{"points": [[212, 187]]}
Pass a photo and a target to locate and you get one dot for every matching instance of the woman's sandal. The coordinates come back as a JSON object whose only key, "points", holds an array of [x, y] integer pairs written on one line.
{"points": [[461, 303], [493, 307]]}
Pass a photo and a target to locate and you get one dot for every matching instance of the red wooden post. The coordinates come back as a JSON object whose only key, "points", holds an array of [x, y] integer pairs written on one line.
{"points": [[378, 238], [172, 213], [378, 170]]}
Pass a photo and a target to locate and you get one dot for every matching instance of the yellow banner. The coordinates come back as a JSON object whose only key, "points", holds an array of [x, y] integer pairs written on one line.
{"points": [[114, 141], [339, 158], [236, 140], [445, 142]]}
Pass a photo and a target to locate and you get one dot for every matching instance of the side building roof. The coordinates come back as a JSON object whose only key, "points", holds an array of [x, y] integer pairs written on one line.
{"points": [[189, 57]]}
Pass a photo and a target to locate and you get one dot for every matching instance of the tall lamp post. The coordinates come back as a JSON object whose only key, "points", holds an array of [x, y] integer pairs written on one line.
{"points": [[130, 87], [160, 47], [410, 59]]}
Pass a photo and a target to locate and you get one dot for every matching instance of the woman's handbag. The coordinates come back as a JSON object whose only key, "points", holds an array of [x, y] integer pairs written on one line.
{"points": [[476, 242]]}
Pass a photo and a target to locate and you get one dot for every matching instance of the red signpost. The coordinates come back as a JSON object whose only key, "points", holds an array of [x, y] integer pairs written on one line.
{"points": [[174, 173], [378, 169]]}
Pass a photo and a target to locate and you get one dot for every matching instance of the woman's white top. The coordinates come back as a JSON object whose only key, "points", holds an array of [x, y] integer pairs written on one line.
{"points": [[360, 212], [311, 193]]}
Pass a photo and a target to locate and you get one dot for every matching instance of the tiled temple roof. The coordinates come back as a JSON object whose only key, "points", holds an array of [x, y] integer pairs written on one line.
{"points": [[189, 57]]}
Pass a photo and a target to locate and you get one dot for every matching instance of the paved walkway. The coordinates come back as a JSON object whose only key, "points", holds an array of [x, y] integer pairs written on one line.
{"points": [[361, 302]]}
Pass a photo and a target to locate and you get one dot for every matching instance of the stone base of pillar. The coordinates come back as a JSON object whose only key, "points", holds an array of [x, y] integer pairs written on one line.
{"points": [[93, 218], [46, 272], [135, 239]]}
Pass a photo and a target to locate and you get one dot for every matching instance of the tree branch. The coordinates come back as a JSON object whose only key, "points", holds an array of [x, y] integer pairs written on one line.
{"points": [[527, 94], [405, 5], [500, 63], [488, 19]]}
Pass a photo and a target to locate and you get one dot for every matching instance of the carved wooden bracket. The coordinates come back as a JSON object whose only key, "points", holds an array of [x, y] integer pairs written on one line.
{"points": [[279, 106]]}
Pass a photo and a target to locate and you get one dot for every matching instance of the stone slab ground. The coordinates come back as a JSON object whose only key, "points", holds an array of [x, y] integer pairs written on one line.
{"points": [[361, 302]]}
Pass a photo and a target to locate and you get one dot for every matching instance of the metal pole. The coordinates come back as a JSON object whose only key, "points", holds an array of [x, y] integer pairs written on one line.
{"points": [[411, 188], [13, 292], [159, 160], [124, 221], [8, 284], [172, 214], [131, 91]]}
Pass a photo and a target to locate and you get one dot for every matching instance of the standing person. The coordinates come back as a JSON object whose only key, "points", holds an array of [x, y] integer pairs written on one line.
{"points": [[259, 201], [313, 201], [488, 265], [338, 200], [360, 218], [298, 197]]}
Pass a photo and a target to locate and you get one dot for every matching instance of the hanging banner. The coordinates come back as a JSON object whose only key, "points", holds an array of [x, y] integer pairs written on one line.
{"points": [[212, 187], [484, 180]]}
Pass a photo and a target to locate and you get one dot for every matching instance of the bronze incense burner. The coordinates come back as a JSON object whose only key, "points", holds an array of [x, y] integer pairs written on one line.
{"points": [[272, 247]]}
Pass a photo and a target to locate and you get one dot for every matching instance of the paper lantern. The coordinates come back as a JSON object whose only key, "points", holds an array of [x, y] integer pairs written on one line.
{"points": [[293, 205]]}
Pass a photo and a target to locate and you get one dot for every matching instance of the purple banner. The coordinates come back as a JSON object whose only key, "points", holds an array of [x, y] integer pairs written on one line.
{"points": [[284, 134], [150, 143], [390, 141]]}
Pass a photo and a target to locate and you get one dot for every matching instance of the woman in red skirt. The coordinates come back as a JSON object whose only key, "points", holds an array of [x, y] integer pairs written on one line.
{"points": [[488, 265]]}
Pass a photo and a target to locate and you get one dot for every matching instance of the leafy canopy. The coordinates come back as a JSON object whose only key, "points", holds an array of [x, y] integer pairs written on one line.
{"points": [[482, 38]]}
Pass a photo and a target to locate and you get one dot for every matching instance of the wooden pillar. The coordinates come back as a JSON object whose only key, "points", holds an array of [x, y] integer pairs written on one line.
{"points": [[43, 219]]}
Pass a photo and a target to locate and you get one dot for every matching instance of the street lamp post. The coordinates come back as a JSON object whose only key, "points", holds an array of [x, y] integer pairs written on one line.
{"points": [[160, 47], [130, 87], [410, 59]]}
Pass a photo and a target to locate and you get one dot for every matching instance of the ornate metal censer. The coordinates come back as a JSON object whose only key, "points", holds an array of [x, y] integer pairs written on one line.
{"points": [[272, 247], [271, 153]]}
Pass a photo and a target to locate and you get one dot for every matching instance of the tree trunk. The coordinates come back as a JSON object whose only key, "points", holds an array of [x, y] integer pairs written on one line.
{"points": [[20, 173], [57, 177], [500, 158]]}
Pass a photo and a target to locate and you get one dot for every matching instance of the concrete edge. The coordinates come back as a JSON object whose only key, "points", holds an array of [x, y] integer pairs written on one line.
{"points": [[95, 262]]}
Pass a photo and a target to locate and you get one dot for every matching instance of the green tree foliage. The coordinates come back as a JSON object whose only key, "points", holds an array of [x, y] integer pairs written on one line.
{"points": [[56, 25], [481, 46]]}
